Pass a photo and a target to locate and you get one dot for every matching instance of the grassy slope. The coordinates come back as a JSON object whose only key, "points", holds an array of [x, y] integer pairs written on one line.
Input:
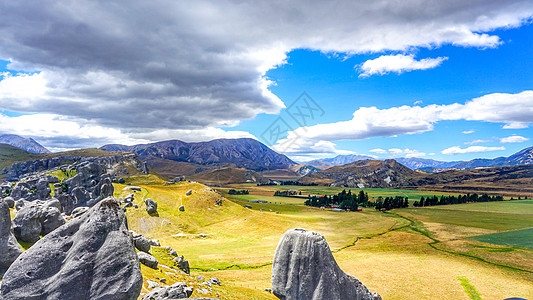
{"points": [[390, 258]]}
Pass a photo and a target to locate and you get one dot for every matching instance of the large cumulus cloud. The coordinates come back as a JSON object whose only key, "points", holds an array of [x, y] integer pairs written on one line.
{"points": [[176, 65]]}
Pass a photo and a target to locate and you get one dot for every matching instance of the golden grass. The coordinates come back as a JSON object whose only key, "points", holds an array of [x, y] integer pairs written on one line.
{"points": [[237, 245]]}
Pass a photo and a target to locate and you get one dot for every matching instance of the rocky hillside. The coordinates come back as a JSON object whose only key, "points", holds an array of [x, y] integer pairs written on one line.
{"points": [[365, 174], [241, 153], [27, 144]]}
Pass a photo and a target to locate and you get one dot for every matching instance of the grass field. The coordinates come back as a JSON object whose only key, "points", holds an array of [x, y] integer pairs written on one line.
{"points": [[512, 206], [399, 255], [413, 195], [516, 238]]}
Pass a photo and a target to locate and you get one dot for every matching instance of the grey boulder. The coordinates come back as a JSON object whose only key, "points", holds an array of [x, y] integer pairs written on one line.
{"points": [[178, 290], [147, 260], [9, 248], [151, 206], [304, 269], [91, 257], [141, 243], [37, 218], [10, 202]]}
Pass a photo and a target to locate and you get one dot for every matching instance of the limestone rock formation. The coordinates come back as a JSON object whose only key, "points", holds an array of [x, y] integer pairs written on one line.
{"points": [[37, 218], [91, 257], [147, 260], [304, 269], [141, 242], [151, 206], [178, 290], [9, 248]]}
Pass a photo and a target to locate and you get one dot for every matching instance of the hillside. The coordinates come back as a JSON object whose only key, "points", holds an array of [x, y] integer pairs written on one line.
{"points": [[228, 175], [242, 153], [11, 154], [338, 160], [365, 174], [27, 144]]}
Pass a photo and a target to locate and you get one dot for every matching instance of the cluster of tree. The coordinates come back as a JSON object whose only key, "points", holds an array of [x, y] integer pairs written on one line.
{"points": [[445, 200], [288, 193], [390, 203], [343, 200], [238, 192], [286, 182], [519, 198]]}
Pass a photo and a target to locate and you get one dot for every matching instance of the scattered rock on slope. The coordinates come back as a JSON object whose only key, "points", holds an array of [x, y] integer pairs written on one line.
{"points": [[9, 248], [304, 268], [91, 257], [151, 206]]}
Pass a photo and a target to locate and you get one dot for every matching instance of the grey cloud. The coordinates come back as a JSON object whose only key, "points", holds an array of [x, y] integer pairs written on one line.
{"points": [[177, 65]]}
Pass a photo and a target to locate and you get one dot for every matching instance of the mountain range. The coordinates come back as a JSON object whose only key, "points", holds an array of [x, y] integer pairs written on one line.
{"points": [[27, 144], [238, 153], [523, 157]]}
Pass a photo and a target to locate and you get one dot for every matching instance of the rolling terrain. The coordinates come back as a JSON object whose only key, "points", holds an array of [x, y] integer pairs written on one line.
{"points": [[384, 250]]}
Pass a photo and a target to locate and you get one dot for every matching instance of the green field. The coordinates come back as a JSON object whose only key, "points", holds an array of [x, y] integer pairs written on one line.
{"points": [[413, 195], [477, 219], [516, 238], [512, 206]]}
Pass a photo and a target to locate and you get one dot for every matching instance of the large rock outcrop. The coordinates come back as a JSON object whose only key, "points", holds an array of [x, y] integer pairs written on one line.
{"points": [[304, 269], [9, 248], [37, 218], [91, 257]]}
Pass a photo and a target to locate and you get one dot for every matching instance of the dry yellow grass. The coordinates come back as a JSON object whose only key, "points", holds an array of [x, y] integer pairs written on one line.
{"points": [[237, 245]]}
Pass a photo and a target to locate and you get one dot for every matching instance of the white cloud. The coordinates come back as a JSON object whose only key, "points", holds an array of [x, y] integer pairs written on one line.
{"points": [[516, 125], [513, 139], [60, 133], [468, 131], [471, 149], [476, 142], [397, 152], [398, 63], [379, 151], [370, 122]]}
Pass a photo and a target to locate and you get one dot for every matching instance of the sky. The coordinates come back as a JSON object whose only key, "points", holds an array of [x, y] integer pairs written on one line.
{"points": [[446, 80]]}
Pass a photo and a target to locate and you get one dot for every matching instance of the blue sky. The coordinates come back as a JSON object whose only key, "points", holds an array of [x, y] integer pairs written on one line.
{"points": [[333, 81], [440, 80]]}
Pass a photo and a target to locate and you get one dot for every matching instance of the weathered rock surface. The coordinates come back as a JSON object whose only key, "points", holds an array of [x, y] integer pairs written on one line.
{"points": [[10, 202], [304, 268], [141, 242], [178, 290], [91, 257], [9, 248], [151, 206], [37, 218], [183, 264], [147, 260]]}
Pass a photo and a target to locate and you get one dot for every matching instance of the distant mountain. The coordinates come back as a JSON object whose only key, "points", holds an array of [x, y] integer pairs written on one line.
{"points": [[365, 174], [415, 163], [522, 157], [337, 160], [27, 144], [240, 153], [320, 164]]}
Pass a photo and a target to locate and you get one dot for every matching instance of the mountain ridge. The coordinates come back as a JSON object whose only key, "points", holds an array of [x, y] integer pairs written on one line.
{"points": [[27, 144], [243, 153]]}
